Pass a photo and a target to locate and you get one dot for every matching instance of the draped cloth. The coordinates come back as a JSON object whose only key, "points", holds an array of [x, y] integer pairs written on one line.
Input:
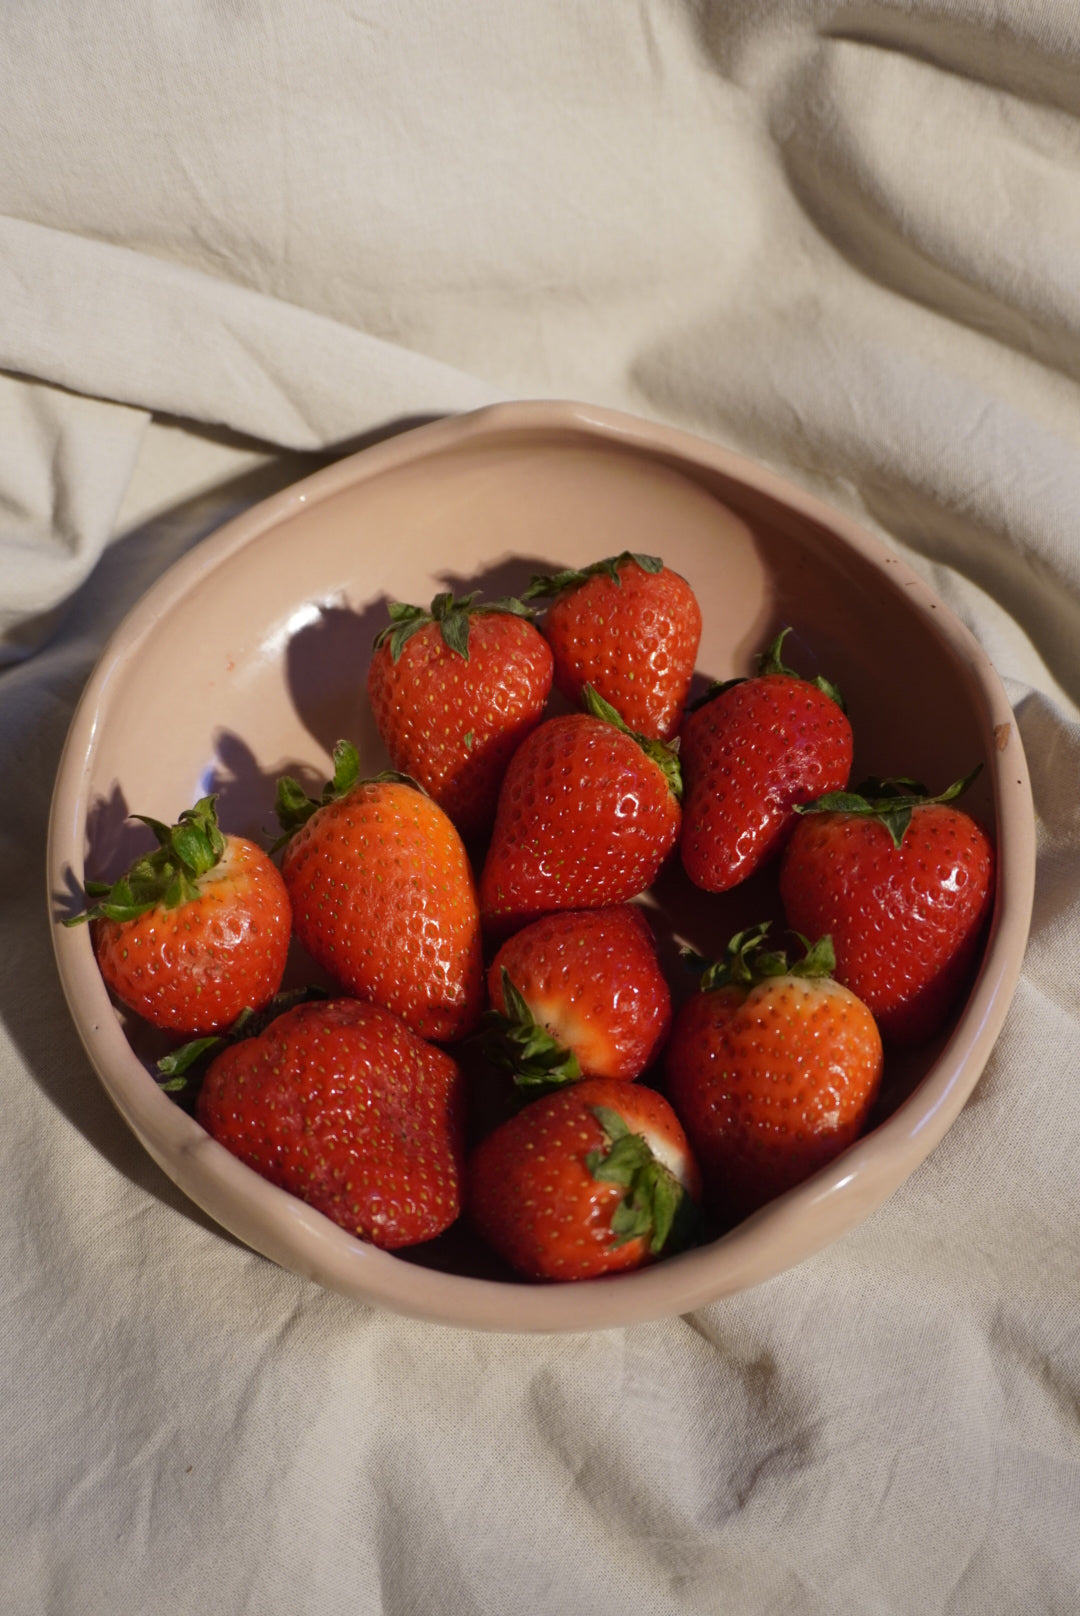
{"points": [[239, 240]]}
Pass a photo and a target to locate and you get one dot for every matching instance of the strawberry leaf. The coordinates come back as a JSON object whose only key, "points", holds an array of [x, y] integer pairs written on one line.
{"points": [[771, 661], [405, 621], [735, 964], [167, 877], [833, 692], [176, 1065], [890, 801], [545, 585], [819, 959], [452, 616], [650, 1208], [184, 1068], [346, 771], [745, 962], [292, 805], [516, 1042], [454, 628]]}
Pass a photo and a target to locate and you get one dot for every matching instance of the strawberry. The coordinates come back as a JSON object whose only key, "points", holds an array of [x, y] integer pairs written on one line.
{"points": [[454, 691], [591, 1179], [579, 994], [630, 627], [340, 1104], [772, 1070], [588, 812], [751, 750], [904, 883], [383, 896], [196, 931]]}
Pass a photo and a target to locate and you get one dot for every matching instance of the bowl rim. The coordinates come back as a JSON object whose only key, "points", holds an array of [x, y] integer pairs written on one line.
{"points": [[775, 1239]]}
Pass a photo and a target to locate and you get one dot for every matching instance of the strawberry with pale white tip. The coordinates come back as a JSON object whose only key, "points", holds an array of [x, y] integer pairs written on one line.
{"points": [[578, 994], [196, 931], [772, 1068], [590, 1180]]}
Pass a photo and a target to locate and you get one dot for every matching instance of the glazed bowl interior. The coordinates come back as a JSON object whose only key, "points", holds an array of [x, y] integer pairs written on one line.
{"points": [[249, 658]]}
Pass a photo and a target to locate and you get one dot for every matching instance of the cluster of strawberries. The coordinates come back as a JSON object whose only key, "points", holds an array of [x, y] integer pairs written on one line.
{"points": [[541, 973]]}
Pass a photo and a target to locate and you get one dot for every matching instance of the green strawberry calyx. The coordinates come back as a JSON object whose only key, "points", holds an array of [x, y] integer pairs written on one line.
{"points": [[746, 962], [515, 1041], [771, 661], [182, 1069], [166, 878], [890, 801], [293, 807], [655, 1207], [544, 585], [450, 614], [663, 753]]}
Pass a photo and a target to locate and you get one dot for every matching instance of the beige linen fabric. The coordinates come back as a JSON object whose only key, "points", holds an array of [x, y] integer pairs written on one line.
{"points": [[842, 238]]}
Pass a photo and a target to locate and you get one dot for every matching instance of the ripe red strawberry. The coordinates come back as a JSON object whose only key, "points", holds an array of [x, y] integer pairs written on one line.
{"points": [[454, 691], [904, 883], [772, 1070], [196, 931], [591, 1179], [630, 627], [587, 814], [579, 994], [343, 1106], [750, 751], [383, 896]]}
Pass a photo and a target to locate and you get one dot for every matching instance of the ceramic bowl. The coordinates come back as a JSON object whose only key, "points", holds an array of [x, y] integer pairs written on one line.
{"points": [[248, 659]]}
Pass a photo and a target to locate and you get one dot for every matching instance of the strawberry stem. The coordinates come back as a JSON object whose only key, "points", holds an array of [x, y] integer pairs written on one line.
{"points": [[165, 878], [770, 661], [890, 801]]}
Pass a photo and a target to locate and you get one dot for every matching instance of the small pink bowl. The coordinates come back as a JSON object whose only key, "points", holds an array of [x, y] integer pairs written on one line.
{"points": [[248, 659]]}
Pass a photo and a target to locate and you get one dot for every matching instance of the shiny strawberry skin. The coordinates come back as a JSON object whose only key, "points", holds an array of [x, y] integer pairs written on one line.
{"points": [[585, 819], [592, 979], [533, 1199], [770, 1083], [192, 969], [907, 921], [454, 724], [344, 1107], [748, 756], [635, 641], [383, 899]]}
